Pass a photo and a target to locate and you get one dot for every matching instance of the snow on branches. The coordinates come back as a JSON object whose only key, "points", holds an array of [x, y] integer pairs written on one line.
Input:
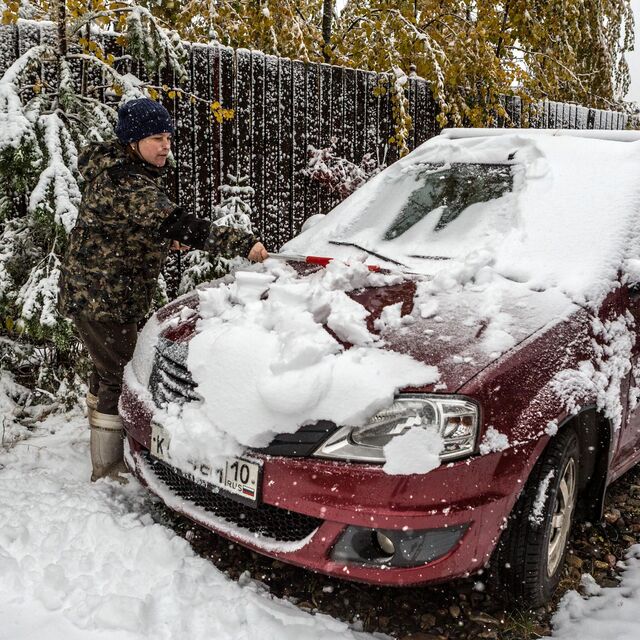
{"points": [[338, 174], [234, 210], [52, 102], [154, 46], [57, 185]]}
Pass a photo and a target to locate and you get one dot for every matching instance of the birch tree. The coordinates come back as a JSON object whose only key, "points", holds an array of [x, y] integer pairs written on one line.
{"points": [[470, 50]]}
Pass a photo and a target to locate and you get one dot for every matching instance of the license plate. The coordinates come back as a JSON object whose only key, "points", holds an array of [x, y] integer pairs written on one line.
{"points": [[237, 477]]}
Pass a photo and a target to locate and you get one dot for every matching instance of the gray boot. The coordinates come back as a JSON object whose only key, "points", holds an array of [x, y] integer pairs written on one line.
{"points": [[106, 446]]}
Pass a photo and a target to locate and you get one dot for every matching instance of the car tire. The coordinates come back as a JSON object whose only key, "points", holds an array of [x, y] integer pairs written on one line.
{"points": [[529, 559]]}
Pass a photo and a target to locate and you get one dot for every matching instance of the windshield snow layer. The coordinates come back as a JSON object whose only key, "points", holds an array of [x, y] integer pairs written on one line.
{"points": [[444, 192], [568, 219]]}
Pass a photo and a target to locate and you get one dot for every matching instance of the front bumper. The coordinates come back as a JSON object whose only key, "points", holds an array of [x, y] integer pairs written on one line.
{"points": [[311, 506]]}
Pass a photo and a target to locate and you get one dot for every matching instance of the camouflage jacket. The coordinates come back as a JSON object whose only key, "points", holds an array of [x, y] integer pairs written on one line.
{"points": [[122, 236]]}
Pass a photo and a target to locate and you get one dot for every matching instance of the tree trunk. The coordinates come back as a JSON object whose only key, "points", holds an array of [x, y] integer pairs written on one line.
{"points": [[61, 19], [505, 16], [327, 16]]}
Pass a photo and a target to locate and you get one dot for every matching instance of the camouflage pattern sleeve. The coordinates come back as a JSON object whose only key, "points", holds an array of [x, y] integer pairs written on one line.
{"points": [[85, 155], [229, 242], [149, 206]]}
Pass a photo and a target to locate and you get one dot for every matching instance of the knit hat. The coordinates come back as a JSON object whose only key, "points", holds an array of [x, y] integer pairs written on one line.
{"points": [[141, 118]]}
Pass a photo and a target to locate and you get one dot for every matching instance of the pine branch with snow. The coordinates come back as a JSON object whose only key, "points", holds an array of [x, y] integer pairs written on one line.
{"points": [[234, 210], [197, 267], [52, 104]]}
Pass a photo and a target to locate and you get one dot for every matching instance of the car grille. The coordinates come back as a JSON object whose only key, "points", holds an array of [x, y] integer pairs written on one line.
{"points": [[170, 379], [265, 519]]}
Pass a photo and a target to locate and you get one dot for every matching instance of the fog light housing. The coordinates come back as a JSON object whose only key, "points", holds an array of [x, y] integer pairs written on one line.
{"points": [[395, 548]]}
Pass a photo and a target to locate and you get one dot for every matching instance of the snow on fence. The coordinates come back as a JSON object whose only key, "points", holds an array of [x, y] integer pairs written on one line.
{"points": [[281, 107]]}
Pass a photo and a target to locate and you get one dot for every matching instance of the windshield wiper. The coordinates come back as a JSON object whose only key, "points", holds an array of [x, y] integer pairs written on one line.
{"points": [[431, 257], [372, 253]]}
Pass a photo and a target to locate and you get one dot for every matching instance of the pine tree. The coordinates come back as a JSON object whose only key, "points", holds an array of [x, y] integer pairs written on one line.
{"points": [[53, 100], [234, 210]]}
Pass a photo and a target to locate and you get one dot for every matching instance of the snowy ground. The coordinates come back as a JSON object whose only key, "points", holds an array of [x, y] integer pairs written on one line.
{"points": [[83, 562]]}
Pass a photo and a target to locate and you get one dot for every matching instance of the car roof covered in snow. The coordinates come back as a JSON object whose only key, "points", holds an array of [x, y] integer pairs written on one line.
{"points": [[617, 135]]}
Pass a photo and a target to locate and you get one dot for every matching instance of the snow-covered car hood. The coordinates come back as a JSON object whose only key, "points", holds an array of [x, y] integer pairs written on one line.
{"points": [[464, 332], [459, 332]]}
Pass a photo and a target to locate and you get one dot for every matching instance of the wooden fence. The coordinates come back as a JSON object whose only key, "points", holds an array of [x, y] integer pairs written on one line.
{"points": [[281, 107]]}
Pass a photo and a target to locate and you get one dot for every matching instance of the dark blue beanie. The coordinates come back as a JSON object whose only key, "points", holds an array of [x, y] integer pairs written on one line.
{"points": [[141, 118]]}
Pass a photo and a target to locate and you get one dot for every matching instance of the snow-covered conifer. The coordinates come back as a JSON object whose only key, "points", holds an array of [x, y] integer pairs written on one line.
{"points": [[234, 210], [52, 102]]}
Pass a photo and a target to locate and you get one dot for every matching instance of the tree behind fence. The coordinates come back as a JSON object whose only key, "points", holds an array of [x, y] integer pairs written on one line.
{"points": [[281, 107]]}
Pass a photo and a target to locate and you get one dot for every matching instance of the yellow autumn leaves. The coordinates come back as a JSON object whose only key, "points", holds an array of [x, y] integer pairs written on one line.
{"points": [[471, 51], [10, 14]]}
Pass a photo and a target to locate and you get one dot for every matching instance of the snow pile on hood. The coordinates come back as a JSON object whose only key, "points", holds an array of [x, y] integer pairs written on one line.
{"points": [[265, 364], [570, 220], [86, 561]]}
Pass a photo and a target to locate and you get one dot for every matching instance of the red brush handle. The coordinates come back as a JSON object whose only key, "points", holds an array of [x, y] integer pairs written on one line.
{"points": [[325, 261]]}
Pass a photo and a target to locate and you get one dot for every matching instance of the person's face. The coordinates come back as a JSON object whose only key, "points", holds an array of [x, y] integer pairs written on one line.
{"points": [[155, 149]]}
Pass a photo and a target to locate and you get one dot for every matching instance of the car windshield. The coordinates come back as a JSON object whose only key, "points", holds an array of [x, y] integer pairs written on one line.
{"points": [[431, 211], [445, 191], [524, 206]]}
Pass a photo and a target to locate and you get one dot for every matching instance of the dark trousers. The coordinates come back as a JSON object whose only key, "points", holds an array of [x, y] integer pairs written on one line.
{"points": [[110, 346]]}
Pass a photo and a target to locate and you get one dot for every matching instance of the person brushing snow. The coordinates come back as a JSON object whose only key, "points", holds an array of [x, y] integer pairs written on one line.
{"points": [[126, 225]]}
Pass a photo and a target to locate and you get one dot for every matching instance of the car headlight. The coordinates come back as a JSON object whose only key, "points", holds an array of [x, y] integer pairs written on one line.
{"points": [[455, 418]]}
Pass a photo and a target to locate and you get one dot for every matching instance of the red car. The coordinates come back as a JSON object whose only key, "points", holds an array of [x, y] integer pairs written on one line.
{"points": [[514, 277]]}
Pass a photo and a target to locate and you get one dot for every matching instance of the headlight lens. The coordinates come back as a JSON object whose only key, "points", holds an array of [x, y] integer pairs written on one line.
{"points": [[456, 419]]}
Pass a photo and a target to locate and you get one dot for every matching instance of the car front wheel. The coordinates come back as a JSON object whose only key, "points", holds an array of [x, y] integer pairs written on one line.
{"points": [[530, 556]]}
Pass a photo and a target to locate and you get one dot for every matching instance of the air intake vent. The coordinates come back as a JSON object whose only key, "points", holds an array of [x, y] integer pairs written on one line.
{"points": [[170, 380], [302, 443]]}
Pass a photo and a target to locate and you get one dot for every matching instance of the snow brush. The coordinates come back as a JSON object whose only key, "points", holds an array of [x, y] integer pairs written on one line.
{"points": [[319, 260]]}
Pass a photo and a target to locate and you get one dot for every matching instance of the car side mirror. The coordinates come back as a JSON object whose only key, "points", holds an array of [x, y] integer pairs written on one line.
{"points": [[312, 221]]}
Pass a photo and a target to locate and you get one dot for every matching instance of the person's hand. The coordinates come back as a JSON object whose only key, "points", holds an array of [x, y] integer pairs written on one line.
{"points": [[258, 253], [178, 246]]}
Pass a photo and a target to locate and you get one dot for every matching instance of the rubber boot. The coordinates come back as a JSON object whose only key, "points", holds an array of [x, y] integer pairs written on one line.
{"points": [[92, 405], [106, 447]]}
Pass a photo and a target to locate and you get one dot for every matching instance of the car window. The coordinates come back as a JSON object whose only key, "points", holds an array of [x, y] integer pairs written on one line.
{"points": [[447, 190]]}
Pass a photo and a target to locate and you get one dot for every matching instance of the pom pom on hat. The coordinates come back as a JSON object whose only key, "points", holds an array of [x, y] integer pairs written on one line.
{"points": [[141, 118]]}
